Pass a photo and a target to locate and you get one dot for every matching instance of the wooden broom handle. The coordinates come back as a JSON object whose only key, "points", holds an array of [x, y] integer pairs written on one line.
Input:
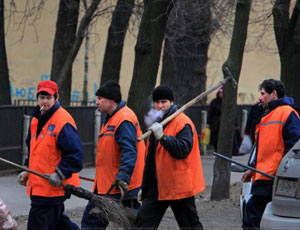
{"points": [[36, 173], [25, 169]]}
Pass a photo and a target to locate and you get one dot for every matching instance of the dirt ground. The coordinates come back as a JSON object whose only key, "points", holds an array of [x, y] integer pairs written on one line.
{"points": [[213, 214]]}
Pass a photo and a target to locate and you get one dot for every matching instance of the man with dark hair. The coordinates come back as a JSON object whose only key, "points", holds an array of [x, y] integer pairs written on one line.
{"points": [[271, 84], [55, 149], [173, 171], [119, 158], [275, 135]]}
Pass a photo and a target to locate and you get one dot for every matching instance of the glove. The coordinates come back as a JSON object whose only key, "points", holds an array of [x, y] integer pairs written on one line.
{"points": [[23, 178], [55, 179], [121, 184], [157, 130], [140, 196]]}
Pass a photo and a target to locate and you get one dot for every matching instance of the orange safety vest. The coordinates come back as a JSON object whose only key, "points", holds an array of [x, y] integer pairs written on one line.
{"points": [[271, 148], [108, 156], [179, 178], [45, 156]]}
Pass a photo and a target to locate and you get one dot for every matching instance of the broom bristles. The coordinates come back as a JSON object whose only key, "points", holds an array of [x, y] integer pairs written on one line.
{"points": [[109, 208]]}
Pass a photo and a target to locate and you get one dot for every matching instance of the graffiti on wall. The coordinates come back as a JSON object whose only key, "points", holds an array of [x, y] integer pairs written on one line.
{"points": [[29, 93], [246, 98]]}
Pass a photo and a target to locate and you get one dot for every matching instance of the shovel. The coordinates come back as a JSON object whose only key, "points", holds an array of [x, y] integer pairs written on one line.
{"points": [[193, 101], [110, 209]]}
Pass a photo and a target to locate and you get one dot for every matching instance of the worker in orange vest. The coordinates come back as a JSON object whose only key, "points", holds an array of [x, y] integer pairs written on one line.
{"points": [[173, 172], [277, 132], [55, 149], [119, 157]]}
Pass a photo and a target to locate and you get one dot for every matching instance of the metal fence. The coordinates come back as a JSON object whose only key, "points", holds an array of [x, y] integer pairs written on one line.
{"points": [[14, 132], [25, 102]]}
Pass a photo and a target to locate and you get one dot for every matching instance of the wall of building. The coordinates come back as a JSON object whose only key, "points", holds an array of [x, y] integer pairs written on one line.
{"points": [[29, 50]]}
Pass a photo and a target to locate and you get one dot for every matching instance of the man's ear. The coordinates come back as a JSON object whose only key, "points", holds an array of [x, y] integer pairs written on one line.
{"points": [[57, 97], [274, 94]]}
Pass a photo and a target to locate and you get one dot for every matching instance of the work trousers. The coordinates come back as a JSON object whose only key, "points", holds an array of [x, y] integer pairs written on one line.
{"points": [[255, 208], [152, 211], [90, 221], [49, 217]]}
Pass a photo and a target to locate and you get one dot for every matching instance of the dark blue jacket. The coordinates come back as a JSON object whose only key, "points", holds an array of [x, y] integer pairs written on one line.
{"points": [[126, 138], [68, 141]]}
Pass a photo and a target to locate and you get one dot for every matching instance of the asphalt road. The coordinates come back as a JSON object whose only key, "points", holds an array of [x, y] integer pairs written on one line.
{"points": [[14, 195]]}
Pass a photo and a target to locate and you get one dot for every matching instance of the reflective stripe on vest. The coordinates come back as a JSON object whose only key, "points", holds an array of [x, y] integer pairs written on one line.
{"points": [[108, 154], [45, 156], [179, 178], [271, 147]]}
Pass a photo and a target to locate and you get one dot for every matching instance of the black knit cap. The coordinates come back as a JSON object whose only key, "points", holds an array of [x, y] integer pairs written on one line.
{"points": [[110, 90], [162, 92]]}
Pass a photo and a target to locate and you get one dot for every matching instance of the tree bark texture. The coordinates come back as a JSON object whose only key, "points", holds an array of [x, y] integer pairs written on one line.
{"points": [[221, 179], [284, 28], [185, 50], [67, 66], [115, 41], [66, 26], [147, 55], [5, 98]]}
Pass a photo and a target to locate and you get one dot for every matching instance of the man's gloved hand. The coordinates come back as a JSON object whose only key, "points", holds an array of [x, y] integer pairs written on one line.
{"points": [[157, 130], [55, 179], [140, 196], [121, 184], [23, 178]]}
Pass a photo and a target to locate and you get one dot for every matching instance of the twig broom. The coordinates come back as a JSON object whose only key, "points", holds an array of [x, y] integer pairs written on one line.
{"points": [[110, 209]]}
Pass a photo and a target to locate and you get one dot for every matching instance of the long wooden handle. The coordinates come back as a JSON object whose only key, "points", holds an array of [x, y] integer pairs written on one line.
{"points": [[36, 173], [25, 169], [187, 105], [86, 178]]}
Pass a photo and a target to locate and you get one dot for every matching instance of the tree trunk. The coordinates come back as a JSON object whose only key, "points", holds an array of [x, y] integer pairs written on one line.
{"points": [[66, 26], [67, 66], [85, 96], [115, 40], [185, 51], [5, 98], [147, 54], [221, 180], [284, 28]]}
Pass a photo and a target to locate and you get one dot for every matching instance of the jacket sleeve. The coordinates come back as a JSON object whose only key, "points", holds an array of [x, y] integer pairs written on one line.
{"points": [[126, 138], [291, 131], [72, 154], [181, 145]]}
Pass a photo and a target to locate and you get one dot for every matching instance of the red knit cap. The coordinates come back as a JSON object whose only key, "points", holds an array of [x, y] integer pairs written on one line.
{"points": [[48, 86]]}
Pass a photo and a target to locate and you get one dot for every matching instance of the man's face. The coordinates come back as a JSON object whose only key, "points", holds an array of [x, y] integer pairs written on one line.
{"points": [[162, 105], [104, 104], [46, 101], [265, 97]]}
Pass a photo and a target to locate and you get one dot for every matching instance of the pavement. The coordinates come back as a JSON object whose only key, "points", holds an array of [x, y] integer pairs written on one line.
{"points": [[14, 195]]}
